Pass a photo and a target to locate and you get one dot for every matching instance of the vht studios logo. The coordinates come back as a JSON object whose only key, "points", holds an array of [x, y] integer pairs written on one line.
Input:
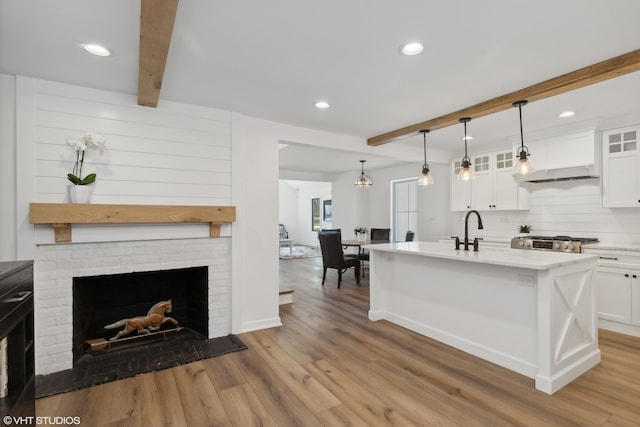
{"points": [[29, 421]]}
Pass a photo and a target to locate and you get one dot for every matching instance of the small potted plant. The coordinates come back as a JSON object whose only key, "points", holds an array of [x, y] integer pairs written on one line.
{"points": [[525, 228], [361, 233]]}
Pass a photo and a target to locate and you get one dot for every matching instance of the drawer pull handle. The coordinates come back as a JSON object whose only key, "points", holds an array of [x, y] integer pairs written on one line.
{"points": [[613, 258]]}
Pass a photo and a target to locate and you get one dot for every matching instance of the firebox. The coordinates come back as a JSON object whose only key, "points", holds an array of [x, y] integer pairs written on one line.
{"points": [[102, 300]]}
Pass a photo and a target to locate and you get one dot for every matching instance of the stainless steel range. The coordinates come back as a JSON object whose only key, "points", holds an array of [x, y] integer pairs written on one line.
{"points": [[553, 243]]}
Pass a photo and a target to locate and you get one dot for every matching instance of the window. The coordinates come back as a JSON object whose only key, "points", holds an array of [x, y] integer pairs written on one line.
{"points": [[405, 214]]}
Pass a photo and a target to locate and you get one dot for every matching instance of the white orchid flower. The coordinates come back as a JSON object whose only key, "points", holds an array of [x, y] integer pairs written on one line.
{"points": [[94, 140], [76, 144], [80, 145]]}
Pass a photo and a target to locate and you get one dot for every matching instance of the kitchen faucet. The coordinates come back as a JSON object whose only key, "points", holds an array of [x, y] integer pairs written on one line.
{"points": [[466, 230]]}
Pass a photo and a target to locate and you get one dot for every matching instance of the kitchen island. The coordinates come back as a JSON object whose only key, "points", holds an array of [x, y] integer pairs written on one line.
{"points": [[533, 312]]}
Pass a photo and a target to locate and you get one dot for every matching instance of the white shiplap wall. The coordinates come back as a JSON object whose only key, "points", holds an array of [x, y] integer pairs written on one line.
{"points": [[562, 208], [174, 154], [574, 208]]}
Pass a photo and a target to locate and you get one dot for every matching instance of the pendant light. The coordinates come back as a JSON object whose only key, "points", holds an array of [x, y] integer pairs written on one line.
{"points": [[363, 181], [466, 169], [425, 178], [523, 166]]}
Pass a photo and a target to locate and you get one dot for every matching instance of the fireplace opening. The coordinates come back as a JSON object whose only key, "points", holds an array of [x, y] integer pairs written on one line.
{"points": [[103, 300]]}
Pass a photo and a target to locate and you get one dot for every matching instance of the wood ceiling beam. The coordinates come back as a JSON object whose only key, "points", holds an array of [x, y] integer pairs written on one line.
{"points": [[156, 25], [611, 68]]}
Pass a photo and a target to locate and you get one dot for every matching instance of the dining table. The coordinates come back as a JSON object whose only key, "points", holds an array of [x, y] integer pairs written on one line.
{"points": [[358, 244]]}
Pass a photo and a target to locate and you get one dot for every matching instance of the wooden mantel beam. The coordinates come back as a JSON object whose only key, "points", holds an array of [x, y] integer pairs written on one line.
{"points": [[156, 26], [62, 216], [611, 68]]}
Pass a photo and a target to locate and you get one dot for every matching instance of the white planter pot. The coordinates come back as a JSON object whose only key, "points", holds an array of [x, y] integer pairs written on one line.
{"points": [[80, 193], [362, 237]]}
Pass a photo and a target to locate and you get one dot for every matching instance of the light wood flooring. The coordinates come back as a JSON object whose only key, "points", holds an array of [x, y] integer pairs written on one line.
{"points": [[329, 365]]}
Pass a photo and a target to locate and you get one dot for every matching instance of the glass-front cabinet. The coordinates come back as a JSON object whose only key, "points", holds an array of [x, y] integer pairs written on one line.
{"points": [[493, 187], [621, 168]]}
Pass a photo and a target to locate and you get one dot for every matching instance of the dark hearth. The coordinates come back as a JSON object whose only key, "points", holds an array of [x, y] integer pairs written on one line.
{"points": [[184, 346], [99, 301]]}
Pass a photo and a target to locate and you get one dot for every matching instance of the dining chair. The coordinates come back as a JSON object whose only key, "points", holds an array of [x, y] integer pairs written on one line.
{"points": [[333, 257], [378, 235]]}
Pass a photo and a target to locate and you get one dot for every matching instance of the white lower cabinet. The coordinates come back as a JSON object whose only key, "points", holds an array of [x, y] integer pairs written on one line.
{"points": [[618, 285], [614, 293], [635, 301]]}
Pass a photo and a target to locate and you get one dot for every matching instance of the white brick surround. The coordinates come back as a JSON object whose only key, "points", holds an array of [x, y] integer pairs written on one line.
{"points": [[57, 264]]}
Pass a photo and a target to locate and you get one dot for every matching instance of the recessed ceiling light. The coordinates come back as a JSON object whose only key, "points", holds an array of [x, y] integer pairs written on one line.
{"points": [[322, 104], [566, 114], [412, 48], [95, 49], [468, 137]]}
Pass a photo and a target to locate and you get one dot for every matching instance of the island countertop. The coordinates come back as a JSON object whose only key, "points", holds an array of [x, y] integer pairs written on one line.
{"points": [[535, 260]]}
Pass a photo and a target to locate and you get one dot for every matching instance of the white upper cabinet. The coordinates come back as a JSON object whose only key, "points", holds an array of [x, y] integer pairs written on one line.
{"points": [[567, 156], [493, 188], [620, 168], [460, 191], [564, 151]]}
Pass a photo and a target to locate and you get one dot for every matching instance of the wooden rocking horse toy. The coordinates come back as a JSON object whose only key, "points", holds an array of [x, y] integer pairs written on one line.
{"points": [[145, 324]]}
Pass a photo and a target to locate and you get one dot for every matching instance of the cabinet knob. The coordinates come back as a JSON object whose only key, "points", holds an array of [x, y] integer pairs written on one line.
{"points": [[626, 275], [634, 276]]}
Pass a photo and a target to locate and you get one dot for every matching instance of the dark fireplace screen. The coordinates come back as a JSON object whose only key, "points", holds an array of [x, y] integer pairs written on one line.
{"points": [[102, 300]]}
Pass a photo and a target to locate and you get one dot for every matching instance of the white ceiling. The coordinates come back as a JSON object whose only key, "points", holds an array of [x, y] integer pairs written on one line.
{"points": [[274, 59]]}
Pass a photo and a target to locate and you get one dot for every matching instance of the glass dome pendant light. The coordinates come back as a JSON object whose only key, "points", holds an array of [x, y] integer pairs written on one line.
{"points": [[523, 166], [425, 178], [363, 181], [466, 170]]}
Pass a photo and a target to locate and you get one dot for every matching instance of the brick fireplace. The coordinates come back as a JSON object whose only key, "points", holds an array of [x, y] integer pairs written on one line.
{"points": [[56, 266], [102, 300]]}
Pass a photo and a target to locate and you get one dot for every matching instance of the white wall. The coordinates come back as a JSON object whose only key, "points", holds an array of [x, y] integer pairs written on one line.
{"points": [[315, 190], [8, 239], [255, 232], [371, 207], [295, 208], [562, 208], [288, 208], [174, 154]]}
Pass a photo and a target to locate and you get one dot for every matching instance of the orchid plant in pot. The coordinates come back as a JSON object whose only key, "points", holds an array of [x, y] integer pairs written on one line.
{"points": [[80, 192]]}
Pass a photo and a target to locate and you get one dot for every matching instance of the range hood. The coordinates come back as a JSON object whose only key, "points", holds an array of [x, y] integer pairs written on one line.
{"points": [[560, 174], [564, 157]]}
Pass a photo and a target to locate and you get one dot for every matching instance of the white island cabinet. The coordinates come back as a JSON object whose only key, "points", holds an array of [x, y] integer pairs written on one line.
{"points": [[533, 312]]}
